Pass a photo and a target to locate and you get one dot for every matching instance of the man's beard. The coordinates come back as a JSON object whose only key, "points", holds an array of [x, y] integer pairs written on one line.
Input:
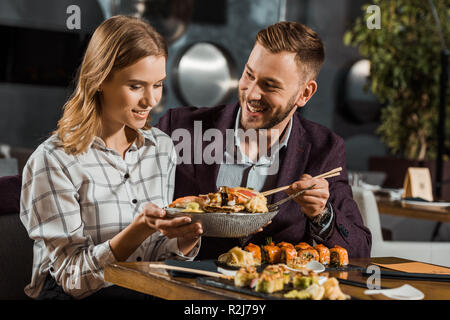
{"points": [[277, 117]]}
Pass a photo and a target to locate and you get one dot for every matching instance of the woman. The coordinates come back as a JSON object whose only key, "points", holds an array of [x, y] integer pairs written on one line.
{"points": [[92, 193]]}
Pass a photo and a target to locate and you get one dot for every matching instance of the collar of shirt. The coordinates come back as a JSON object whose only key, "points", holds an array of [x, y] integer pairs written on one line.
{"points": [[264, 160], [144, 137]]}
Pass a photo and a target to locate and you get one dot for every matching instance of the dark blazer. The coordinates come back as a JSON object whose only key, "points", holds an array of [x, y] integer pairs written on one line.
{"points": [[311, 149]]}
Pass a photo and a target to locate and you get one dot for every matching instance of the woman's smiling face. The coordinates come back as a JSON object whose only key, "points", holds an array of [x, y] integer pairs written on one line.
{"points": [[129, 94]]}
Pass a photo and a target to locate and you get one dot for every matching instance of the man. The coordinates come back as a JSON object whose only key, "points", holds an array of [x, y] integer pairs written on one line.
{"points": [[278, 78]]}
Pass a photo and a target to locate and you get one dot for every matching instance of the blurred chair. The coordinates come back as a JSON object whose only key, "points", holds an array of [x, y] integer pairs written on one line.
{"points": [[430, 252], [13, 159], [8, 167], [16, 247]]}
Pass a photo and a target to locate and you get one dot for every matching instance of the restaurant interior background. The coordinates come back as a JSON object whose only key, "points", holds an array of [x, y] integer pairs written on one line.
{"points": [[209, 42]]}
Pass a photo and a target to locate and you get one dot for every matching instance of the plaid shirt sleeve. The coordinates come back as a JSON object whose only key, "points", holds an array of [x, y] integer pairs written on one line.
{"points": [[50, 212]]}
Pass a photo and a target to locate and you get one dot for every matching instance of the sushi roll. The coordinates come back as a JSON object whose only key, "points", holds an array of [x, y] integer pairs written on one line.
{"points": [[302, 245], [300, 281], [269, 283], [285, 244], [338, 256], [272, 253], [306, 255], [324, 254], [255, 250], [184, 201], [288, 254], [279, 270], [244, 276]]}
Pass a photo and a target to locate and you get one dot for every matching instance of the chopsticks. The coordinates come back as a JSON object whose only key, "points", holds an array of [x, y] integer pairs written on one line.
{"points": [[332, 173], [188, 270], [356, 283], [292, 196]]}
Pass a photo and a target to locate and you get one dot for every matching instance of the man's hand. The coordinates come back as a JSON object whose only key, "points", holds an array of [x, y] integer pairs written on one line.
{"points": [[313, 202]]}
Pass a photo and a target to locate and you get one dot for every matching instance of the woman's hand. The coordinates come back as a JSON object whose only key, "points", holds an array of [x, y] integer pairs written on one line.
{"points": [[187, 233]]}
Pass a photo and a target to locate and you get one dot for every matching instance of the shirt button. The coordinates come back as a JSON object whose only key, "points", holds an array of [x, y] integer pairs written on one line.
{"points": [[126, 176], [138, 259], [134, 200]]}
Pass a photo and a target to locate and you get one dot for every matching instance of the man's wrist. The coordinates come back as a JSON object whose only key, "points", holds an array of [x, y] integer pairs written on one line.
{"points": [[322, 218]]}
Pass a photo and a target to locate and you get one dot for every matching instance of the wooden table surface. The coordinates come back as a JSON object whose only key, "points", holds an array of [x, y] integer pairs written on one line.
{"points": [[157, 282], [395, 208]]}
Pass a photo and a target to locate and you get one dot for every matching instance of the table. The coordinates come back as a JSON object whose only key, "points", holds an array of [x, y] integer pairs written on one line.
{"points": [[157, 282], [395, 208]]}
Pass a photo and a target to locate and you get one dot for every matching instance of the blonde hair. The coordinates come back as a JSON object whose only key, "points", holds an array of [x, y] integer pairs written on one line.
{"points": [[117, 43], [297, 38]]}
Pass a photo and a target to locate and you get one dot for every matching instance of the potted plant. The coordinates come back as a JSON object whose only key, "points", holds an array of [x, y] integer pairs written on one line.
{"points": [[405, 65]]}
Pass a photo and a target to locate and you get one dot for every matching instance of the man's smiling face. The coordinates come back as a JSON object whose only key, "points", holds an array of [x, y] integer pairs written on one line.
{"points": [[269, 88]]}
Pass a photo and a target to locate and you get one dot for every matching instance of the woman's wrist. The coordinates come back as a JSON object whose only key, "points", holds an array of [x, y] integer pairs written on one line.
{"points": [[186, 245], [141, 226], [129, 239]]}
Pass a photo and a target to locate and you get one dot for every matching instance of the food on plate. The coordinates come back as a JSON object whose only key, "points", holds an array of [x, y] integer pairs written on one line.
{"points": [[302, 245], [226, 199], [285, 244], [236, 257], [330, 290], [306, 255], [257, 203], [255, 250], [298, 294], [269, 283], [324, 254], [317, 292], [279, 269], [333, 291], [183, 202], [287, 254], [338, 256], [245, 275], [272, 279], [284, 252], [300, 281], [193, 207], [301, 285], [228, 209], [271, 253], [303, 257]]}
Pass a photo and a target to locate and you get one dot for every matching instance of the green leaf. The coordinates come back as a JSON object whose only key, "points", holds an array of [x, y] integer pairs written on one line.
{"points": [[347, 38]]}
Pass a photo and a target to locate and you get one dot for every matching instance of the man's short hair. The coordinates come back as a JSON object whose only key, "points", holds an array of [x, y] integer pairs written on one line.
{"points": [[297, 38]]}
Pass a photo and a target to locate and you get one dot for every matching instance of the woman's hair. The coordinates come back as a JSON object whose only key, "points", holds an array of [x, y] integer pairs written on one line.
{"points": [[118, 42], [297, 38]]}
